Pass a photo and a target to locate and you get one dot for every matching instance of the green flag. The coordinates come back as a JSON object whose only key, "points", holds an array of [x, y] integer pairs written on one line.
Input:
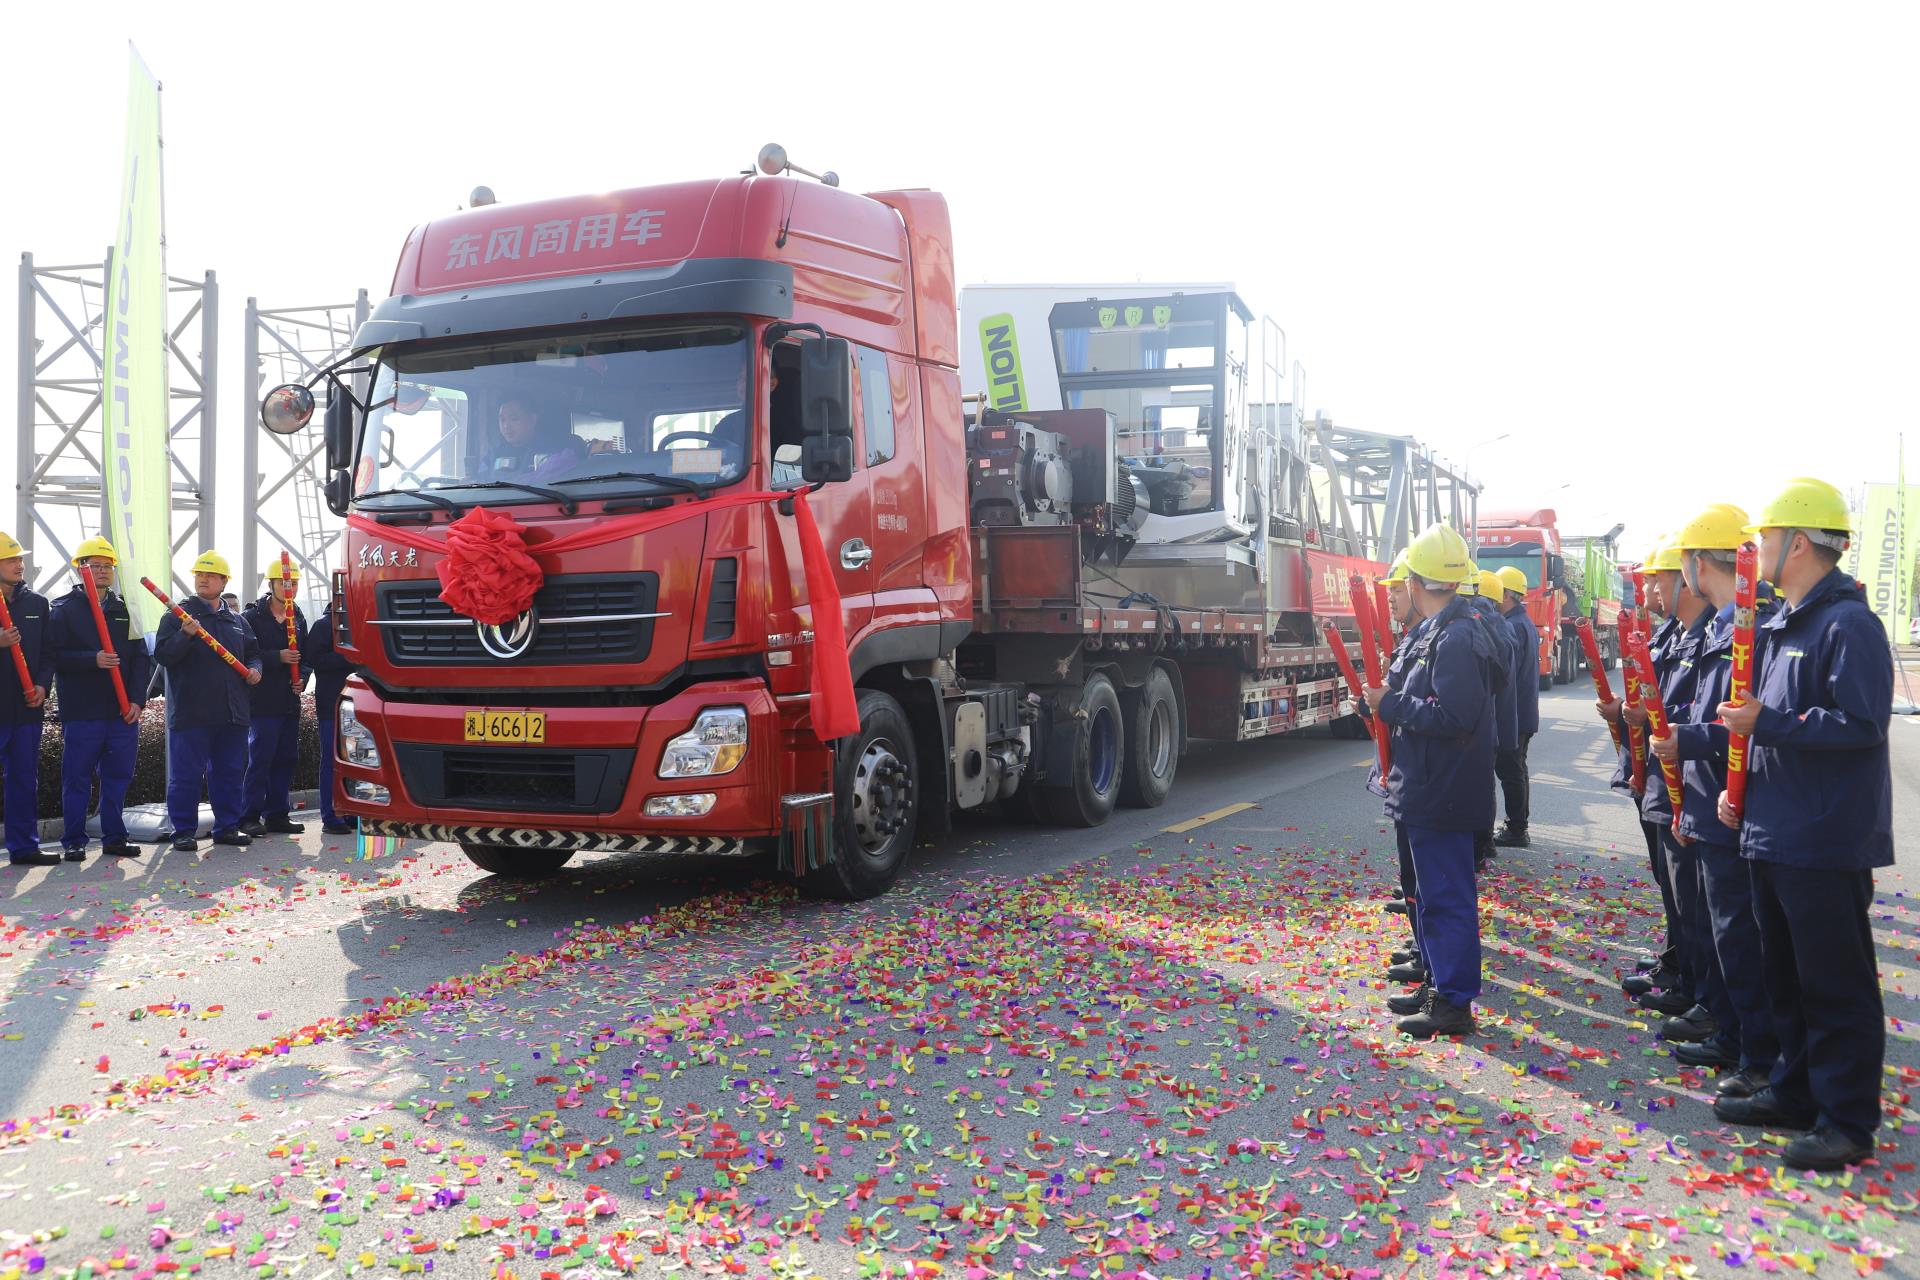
{"points": [[137, 515], [1886, 554]]}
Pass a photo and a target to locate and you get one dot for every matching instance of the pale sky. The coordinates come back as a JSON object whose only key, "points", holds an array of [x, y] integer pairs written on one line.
{"points": [[1668, 250]]}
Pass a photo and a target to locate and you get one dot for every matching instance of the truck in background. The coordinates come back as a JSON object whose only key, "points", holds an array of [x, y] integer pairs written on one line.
{"points": [[1041, 605], [1568, 577]]}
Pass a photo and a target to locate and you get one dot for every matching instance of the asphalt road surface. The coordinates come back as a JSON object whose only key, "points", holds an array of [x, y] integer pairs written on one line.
{"points": [[1157, 1048]]}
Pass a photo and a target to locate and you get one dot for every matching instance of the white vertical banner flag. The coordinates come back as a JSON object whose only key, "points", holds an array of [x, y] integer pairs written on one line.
{"points": [[137, 514]]}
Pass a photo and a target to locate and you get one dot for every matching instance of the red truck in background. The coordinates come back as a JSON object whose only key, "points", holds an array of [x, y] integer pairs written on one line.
{"points": [[1557, 592], [1011, 636]]}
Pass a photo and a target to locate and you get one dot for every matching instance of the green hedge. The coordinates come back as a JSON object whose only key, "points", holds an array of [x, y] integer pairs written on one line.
{"points": [[150, 768]]}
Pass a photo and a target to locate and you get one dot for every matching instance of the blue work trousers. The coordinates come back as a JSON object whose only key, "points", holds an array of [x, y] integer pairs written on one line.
{"points": [[20, 757], [1671, 961], [273, 744], [1741, 968], [106, 747], [1447, 911], [1697, 959], [327, 814], [213, 756], [1823, 981]]}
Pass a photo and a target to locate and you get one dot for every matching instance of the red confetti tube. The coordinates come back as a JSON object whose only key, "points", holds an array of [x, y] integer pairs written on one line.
{"points": [[1746, 571], [1383, 615], [1370, 655], [19, 658], [1602, 687], [106, 639], [1656, 716], [293, 634], [1630, 628], [1344, 661], [205, 635]]}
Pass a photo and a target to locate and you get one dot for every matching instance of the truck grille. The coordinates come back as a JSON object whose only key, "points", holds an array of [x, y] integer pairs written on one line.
{"points": [[514, 778], [579, 618]]}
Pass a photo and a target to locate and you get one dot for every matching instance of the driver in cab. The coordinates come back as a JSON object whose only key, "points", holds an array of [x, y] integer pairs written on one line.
{"points": [[533, 444]]}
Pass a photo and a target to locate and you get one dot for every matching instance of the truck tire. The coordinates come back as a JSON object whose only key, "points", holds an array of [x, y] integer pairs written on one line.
{"points": [[1152, 717], [876, 804], [516, 864], [1098, 762]]}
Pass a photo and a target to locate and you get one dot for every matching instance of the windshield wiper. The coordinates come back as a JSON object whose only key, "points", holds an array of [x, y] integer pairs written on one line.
{"points": [[433, 499], [680, 483], [567, 504]]}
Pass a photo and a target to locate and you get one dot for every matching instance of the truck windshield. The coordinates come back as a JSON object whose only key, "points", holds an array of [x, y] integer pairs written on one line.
{"points": [[598, 413], [1523, 555]]}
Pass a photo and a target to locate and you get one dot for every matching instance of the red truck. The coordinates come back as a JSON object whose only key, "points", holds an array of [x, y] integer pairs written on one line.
{"points": [[1010, 635], [1557, 593]]}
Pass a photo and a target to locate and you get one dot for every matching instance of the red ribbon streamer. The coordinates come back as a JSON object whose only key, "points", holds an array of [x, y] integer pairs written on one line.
{"points": [[106, 639], [19, 658], [490, 574]]}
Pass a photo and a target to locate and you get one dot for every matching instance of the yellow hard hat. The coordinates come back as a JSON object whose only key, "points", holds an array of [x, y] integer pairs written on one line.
{"points": [[1513, 578], [274, 569], [1664, 558], [213, 562], [9, 547], [1721, 527], [95, 546], [1439, 554], [1805, 503], [1490, 585], [1398, 573]]}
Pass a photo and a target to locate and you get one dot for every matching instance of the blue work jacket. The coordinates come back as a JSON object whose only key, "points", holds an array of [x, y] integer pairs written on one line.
{"points": [[330, 670], [1440, 707], [1820, 783], [33, 617], [1506, 707], [86, 689], [1526, 669], [275, 694], [202, 690]]}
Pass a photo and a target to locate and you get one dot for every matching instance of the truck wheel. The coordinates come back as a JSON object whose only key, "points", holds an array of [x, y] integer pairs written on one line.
{"points": [[516, 864], [876, 804], [1099, 759], [1153, 742]]}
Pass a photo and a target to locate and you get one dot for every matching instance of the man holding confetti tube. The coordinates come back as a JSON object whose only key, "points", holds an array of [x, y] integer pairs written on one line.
{"points": [[1441, 783], [99, 718], [1818, 821], [1483, 592], [207, 707], [1735, 994], [273, 729], [26, 637]]}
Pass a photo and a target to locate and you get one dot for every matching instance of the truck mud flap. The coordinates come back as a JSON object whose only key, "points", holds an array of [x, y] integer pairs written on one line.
{"points": [[599, 841]]}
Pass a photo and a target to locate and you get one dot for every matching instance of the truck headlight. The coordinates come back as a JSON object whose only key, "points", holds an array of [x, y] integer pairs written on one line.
{"points": [[716, 744], [354, 741], [696, 805]]}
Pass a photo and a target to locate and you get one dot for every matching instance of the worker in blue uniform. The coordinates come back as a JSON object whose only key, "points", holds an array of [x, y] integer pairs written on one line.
{"points": [[1696, 1004], [1405, 964], [207, 707], [23, 711], [330, 672], [1511, 766], [1441, 782], [1736, 1023], [98, 740], [1480, 590], [273, 726], [1818, 821]]}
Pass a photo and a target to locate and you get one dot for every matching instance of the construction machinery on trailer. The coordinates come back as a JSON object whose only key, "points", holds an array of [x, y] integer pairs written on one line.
{"points": [[673, 418]]}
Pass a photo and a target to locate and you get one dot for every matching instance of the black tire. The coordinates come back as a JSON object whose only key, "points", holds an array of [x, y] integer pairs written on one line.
{"points": [[1152, 716], [516, 864], [876, 807], [1098, 763]]}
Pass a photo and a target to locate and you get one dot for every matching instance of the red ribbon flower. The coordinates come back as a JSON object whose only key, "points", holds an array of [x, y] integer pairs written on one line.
{"points": [[487, 573]]}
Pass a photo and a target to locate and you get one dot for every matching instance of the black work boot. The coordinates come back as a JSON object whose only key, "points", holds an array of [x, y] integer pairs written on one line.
{"points": [[1648, 980], [252, 827], [1827, 1150], [1695, 1026], [1670, 1002], [1438, 1018], [1402, 957], [1743, 1083], [1397, 907], [281, 823], [1512, 837], [1706, 1053], [1762, 1108], [120, 849], [1411, 971], [1412, 1002]]}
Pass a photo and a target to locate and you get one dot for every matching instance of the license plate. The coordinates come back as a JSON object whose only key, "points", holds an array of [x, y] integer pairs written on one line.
{"points": [[521, 728]]}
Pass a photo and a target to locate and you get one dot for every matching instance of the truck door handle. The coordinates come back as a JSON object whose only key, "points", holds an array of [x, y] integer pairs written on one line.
{"points": [[854, 554]]}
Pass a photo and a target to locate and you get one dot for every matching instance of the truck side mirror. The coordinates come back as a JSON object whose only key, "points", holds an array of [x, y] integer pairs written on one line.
{"points": [[826, 410], [339, 490], [338, 428]]}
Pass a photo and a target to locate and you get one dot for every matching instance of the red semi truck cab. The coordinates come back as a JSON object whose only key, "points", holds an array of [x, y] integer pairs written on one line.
{"points": [[576, 360]]}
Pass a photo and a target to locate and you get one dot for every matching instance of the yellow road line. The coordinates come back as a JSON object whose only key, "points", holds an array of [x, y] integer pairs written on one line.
{"points": [[1205, 818]]}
